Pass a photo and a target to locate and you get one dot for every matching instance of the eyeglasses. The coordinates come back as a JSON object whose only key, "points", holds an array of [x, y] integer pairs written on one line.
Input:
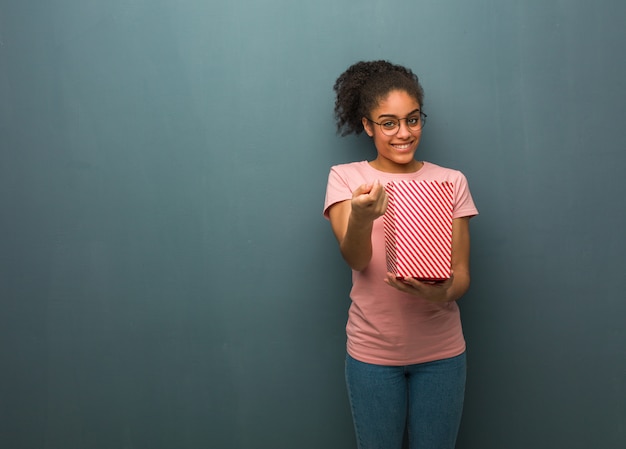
{"points": [[391, 126]]}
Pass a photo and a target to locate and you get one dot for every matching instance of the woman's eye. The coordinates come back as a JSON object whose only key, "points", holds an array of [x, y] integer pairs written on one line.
{"points": [[413, 120], [389, 124]]}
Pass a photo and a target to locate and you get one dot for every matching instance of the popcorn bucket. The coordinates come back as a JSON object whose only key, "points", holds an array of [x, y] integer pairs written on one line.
{"points": [[418, 229]]}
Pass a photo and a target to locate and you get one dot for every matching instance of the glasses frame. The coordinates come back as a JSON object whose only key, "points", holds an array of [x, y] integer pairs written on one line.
{"points": [[422, 123]]}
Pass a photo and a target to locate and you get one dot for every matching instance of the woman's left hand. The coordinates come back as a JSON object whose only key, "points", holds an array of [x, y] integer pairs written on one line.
{"points": [[428, 290]]}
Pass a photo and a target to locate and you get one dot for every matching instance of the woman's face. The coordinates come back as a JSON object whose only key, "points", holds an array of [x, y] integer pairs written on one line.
{"points": [[396, 153]]}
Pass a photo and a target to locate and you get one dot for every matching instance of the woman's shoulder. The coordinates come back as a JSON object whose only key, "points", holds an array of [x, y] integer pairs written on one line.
{"points": [[352, 170], [432, 170], [351, 166]]}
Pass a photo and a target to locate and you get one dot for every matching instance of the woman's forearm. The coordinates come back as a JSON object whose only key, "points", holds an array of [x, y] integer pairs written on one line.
{"points": [[356, 245]]}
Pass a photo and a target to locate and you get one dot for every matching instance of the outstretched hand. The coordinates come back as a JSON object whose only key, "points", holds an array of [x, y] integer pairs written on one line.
{"points": [[430, 291], [369, 201]]}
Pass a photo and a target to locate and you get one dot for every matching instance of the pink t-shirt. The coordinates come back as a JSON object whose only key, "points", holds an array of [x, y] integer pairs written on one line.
{"points": [[386, 326]]}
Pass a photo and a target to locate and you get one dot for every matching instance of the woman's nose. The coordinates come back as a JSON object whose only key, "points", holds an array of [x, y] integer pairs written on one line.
{"points": [[403, 129]]}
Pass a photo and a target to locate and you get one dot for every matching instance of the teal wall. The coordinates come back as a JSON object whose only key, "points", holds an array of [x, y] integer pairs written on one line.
{"points": [[167, 279]]}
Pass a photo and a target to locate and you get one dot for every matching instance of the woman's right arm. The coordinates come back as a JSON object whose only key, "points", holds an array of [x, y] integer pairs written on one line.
{"points": [[352, 222]]}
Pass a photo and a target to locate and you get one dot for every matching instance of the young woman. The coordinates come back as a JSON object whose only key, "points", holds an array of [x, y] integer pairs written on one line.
{"points": [[405, 362]]}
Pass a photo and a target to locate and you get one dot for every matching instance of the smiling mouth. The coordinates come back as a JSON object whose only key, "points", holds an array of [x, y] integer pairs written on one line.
{"points": [[404, 146]]}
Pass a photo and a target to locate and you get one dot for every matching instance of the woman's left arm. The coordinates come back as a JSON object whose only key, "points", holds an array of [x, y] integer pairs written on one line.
{"points": [[455, 287]]}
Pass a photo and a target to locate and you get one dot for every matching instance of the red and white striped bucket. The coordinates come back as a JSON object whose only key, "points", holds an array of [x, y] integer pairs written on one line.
{"points": [[418, 229]]}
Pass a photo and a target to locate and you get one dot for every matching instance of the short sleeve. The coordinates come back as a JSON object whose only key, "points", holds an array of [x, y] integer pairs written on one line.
{"points": [[464, 203], [337, 189]]}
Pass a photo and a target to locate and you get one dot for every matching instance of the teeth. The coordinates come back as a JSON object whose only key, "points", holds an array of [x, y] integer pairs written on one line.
{"points": [[402, 147]]}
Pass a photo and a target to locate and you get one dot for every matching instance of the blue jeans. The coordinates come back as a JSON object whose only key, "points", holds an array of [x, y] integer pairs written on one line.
{"points": [[426, 399]]}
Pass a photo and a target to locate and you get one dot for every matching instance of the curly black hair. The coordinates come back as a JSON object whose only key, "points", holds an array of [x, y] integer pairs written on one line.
{"points": [[360, 88]]}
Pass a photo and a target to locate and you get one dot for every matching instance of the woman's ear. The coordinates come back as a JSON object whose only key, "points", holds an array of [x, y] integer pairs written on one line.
{"points": [[367, 126]]}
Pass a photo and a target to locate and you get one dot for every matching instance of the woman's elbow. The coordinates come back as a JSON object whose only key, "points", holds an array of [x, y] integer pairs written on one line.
{"points": [[358, 262], [358, 266]]}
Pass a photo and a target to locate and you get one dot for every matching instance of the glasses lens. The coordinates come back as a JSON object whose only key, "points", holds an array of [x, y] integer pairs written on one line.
{"points": [[389, 127], [414, 123]]}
